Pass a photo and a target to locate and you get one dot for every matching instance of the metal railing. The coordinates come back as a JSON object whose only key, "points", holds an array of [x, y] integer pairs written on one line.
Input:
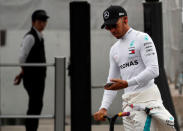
{"points": [[59, 115]]}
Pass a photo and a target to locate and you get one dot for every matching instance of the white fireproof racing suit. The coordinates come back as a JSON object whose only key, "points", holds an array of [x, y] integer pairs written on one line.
{"points": [[133, 58]]}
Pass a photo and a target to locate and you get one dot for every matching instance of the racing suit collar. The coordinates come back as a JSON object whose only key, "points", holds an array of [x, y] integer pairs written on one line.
{"points": [[126, 34]]}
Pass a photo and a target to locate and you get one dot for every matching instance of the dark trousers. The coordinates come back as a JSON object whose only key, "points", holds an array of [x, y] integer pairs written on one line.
{"points": [[35, 90]]}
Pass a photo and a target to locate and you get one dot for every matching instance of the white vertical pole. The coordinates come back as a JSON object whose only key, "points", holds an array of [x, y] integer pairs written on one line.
{"points": [[59, 94]]}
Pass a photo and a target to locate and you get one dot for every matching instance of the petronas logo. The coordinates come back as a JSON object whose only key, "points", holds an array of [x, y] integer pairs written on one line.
{"points": [[132, 43], [146, 37]]}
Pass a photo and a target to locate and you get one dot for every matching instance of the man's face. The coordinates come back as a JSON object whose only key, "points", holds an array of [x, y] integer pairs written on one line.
{"points": [[118, 29], [39, 25]]}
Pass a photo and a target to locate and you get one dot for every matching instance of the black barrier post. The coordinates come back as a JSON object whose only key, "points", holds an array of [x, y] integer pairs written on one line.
{"points": [[80, 66], [154, 27]]}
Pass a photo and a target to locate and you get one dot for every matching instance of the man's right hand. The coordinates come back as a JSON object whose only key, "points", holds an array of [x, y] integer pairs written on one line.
{"points": [[17, 79], [99, 116]]}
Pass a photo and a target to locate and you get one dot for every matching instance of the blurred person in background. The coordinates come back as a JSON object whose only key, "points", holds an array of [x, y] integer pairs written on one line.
{"points": [[33, 51]]}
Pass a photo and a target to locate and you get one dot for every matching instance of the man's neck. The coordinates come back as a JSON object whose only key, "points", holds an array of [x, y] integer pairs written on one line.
{"points": [[38, 32], [126, 30]]}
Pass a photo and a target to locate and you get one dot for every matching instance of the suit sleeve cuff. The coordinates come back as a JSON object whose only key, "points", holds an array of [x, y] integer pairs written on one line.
{"points": [[132, 82]]}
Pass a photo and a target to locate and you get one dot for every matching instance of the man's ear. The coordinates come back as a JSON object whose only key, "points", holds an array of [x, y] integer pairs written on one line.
{"points": [[125, 19]]}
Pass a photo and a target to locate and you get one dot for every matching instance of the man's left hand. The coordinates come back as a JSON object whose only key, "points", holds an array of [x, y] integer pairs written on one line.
{"points": [[117, 84]]}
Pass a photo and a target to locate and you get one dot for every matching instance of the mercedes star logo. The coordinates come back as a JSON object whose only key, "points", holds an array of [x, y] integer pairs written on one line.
{"points": [[106, 15]]}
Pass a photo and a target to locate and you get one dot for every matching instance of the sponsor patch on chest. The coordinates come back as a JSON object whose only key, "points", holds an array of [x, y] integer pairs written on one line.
{"points": [[131, 48], [129, 64]]}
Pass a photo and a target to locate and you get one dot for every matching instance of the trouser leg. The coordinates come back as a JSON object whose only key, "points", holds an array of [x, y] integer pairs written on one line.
{"points": [[161, 119], [137, 122], [128, 125], [35, 93], [35, 107]]}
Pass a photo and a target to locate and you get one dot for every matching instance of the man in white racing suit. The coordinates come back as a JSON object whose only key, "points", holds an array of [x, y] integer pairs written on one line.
{"points": [[133, 67]]}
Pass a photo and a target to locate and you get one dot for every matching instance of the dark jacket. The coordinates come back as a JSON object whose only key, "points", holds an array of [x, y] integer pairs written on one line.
{"points": [[36, 55]]}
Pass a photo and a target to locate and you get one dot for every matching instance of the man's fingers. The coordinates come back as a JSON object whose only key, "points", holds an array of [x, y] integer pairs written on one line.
{"points": [[96, 116], [99, 116], [114, 80], [115, 86], [17, 81]]}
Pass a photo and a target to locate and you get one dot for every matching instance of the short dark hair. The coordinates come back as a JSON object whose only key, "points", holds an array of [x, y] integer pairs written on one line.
{"points": [[39, 15]]}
